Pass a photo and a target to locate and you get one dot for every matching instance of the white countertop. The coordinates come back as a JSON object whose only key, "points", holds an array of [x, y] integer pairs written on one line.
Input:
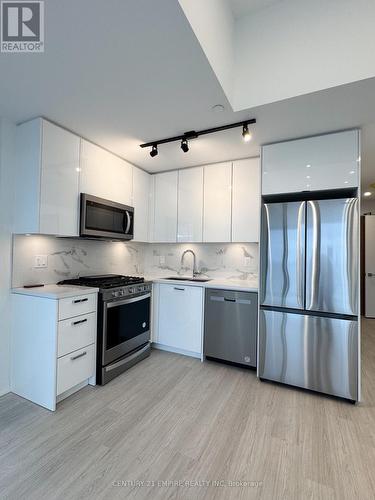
{"points": [[55, 291], [222, 284]]}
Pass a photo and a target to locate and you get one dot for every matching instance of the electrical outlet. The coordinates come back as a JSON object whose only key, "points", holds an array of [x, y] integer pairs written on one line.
{"points": [[40, 261], [247, 261], [162, 260]]}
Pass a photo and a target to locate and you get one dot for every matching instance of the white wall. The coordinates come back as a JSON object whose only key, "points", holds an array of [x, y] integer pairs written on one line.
{"points": [[367, 205], [297, 47], [7, 132], [213, 23]]}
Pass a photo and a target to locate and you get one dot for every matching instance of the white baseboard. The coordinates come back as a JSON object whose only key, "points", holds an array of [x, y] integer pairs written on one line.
{"points": [[163, 347], [4, 391]]}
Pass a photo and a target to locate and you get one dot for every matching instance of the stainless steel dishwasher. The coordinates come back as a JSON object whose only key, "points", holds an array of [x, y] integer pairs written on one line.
{"points": [[230, 326]]}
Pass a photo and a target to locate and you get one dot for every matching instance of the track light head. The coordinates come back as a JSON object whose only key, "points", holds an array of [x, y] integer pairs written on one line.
{"points": [[185, 145], [245, 133], [154, 150]]}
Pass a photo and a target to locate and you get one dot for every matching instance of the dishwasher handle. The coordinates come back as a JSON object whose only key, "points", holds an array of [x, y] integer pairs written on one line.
{"points": [[219, 298]]}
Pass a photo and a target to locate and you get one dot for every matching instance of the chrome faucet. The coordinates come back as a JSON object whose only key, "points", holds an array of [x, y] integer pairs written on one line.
{"points": [[195, 270]]}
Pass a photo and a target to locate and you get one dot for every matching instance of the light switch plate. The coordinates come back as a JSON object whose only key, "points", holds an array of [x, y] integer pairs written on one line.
{"points": [[162, 259], [40, 261]]}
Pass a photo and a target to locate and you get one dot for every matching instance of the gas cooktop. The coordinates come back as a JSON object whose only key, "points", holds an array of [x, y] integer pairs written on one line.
{"points": [[104, 281]]}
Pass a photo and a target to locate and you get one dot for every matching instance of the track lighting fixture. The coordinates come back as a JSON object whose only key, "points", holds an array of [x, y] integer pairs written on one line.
{"points": [[245, 133], [184, 145], [154, 150], [192, 134]]}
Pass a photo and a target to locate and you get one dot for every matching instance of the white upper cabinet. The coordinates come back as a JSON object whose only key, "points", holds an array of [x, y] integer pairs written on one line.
{"points": [[246, 200], [141, 202], [190, 205], [328, 161], [217, 202], [105, 175], [46, 197], [59, 200], [164, 223]]}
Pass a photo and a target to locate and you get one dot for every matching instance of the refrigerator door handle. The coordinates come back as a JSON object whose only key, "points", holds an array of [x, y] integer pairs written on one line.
{"points": [[315, 254], [300, 271]]}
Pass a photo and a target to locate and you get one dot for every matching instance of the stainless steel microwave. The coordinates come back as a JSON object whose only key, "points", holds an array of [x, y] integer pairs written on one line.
{"points": [[105, 219]]}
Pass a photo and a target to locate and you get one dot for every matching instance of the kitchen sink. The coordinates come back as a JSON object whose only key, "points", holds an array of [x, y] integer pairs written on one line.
{"points": [[184, 278]]}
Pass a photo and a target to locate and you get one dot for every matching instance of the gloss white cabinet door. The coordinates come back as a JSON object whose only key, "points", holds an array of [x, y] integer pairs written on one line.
{"points": [[246, 200], [141, 203], [47, 169], [190, 205], [217, 202], [329, 161], [59, 200], [164, 222], [105, 175], [180, 318]]}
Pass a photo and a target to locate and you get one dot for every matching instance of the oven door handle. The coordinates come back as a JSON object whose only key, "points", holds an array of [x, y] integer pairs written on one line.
{"points": [[127, 359], [127, 301]]}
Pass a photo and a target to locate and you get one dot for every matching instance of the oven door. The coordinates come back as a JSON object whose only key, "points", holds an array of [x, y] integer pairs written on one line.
{"points": [[126, 326], [105, 219]]}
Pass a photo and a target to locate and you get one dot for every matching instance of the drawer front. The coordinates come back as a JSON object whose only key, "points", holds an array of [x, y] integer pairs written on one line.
{"points": [[75, 368], [75, 306], [75, 333]]}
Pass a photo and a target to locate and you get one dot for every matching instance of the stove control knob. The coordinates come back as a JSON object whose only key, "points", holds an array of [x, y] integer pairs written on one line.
{"points": [[131, 290]]}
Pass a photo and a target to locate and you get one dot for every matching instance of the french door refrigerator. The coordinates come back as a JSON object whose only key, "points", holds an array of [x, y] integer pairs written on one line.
{"points": [[308, 324]]}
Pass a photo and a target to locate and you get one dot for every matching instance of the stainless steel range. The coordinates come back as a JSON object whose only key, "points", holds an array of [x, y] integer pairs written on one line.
{"points": [[123, 322]]}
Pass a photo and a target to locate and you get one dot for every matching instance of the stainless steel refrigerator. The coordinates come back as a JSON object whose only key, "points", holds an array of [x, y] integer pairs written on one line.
{"points": [[308, 324]]}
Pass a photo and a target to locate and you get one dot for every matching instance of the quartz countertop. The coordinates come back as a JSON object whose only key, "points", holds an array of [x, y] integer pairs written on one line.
{"points": [[223, 284], [55, 291]]}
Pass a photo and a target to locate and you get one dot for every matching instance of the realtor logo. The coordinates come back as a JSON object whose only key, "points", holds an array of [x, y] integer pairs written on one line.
{"points": [[22, 26]]}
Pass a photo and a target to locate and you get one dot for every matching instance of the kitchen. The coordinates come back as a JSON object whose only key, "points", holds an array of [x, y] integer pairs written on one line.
{"points": [[181, 299]]}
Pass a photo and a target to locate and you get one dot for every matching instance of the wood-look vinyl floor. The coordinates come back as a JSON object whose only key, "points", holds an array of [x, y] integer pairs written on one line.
{"points": [[171, 418]]}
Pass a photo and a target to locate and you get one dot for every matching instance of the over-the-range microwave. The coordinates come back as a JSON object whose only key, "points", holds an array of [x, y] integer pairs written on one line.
{"points": [[105, 219]]}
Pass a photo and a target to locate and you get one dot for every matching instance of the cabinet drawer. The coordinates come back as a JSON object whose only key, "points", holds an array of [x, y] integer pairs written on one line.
{"points": [[75, 333], [75, 306], [75, 368]]}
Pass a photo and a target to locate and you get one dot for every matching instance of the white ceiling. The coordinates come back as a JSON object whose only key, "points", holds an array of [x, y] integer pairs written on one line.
{"points": [[122, 73], [244, 7]]}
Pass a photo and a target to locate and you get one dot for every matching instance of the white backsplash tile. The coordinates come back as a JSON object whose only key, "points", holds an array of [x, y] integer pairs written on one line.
{"points": [[70, 258], [232, 261]]}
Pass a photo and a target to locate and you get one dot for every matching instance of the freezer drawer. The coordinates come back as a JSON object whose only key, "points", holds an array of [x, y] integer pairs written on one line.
{"points": [[332, 256], [312, 352], [283, 255], [230, 326]]}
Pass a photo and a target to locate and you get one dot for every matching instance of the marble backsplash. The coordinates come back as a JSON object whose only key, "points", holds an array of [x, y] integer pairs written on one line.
{"points": [[70, 258], [232, 261]]}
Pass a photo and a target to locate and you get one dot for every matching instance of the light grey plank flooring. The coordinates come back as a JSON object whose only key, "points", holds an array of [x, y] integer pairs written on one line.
{"points": [[171, 418]]}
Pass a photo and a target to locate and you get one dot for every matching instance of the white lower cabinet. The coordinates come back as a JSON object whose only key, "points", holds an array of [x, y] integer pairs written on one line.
{"points": [[74, 368], [178, 321], [74, 333], [53, 346]]}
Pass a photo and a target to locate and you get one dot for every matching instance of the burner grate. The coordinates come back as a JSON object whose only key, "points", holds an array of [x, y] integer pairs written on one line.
{"points": [[104, 282]]}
